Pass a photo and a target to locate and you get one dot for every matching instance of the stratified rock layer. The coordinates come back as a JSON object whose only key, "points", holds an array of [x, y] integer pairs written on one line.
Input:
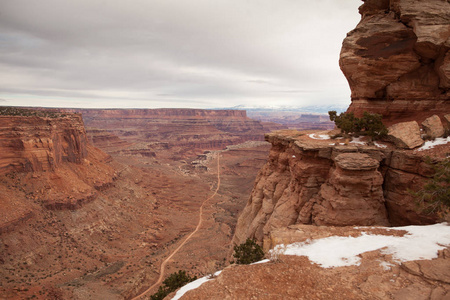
{"points": [[52, 157], [308, 181], [397, 59], [187, 128], [31, 144]]}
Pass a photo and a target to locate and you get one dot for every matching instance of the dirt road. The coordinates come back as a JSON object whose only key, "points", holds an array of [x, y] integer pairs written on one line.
{"points": [[200, 221]]}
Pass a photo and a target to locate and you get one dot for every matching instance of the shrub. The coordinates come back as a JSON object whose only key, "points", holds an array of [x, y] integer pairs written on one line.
{"points": [[370, 124], [248, 252], [434, 197], [172, 283]]}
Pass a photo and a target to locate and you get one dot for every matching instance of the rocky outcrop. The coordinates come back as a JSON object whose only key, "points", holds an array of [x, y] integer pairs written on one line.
{"points": [[47, 157], [397, 59], [433, 127], [405, 135], [353, 194], [33, 144], [308, 181], [377, 275]]}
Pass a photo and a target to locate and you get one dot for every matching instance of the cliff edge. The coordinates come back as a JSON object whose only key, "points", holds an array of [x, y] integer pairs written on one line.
{"points": [[46, 160]]}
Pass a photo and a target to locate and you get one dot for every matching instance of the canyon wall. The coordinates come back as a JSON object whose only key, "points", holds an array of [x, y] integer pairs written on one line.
{"points": [[46, 161], [167, 128], [31, 143], [397, 59], [310, 181]]}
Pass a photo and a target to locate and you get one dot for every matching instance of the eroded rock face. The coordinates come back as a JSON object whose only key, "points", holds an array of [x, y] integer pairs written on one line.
{"points": [[353, 194], [52, 157], [29, 144], [308, 181], [183, 128], [397, 59]]}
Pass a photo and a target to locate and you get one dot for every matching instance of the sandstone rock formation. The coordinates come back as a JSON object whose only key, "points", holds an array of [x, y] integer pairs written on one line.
{"points": [[352, 195], [397, 59], [183, 128], [54, 159], [307, 181], [405, 135], [32, 144], [433, 127]]}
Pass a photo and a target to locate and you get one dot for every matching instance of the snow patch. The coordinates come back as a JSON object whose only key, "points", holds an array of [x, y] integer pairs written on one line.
{"points": [[431, 144], [316, 136], [421, 242], [379, 145], [357, 141], [193, 285]]}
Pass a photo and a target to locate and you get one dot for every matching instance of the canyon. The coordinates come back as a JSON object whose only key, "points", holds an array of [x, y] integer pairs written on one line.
{"points": [[83, 223], [94, 200], [315, 186]]}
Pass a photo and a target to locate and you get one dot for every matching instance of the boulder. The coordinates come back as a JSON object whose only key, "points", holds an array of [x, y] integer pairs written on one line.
{"points": [[433, 127], [405, 135]]}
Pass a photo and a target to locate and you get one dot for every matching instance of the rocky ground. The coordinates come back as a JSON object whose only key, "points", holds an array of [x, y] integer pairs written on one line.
{"points": [[378, 276]]}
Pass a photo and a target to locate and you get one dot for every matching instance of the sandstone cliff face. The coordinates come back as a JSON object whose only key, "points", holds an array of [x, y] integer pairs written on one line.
{"points": [[51, 163], [397, 59], [155, 129], [308, 181], [30, 144]]}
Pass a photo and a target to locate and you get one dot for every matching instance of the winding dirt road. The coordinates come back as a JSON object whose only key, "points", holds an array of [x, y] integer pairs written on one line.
{"points": [[200, 221]]}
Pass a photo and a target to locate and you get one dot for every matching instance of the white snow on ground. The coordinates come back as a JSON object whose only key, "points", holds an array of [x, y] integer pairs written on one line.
{"points": [[421, 242], [431, 144], [193, 285], [316, 136], [379, 145], [357, 141]]}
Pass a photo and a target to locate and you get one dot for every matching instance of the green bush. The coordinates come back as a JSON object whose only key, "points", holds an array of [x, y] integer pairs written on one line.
{"points": [[248, 252], [172, 283], [370, 124], [434, 197]]}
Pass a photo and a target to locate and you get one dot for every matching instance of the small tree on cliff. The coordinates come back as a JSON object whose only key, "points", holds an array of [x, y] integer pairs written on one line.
{"points": [[248, 252], [434, 197], [172, 283], [370, 124]]}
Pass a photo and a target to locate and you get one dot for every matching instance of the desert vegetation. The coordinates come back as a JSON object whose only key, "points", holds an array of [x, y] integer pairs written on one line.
{"points": [[369, 124], [24, 112], [172, 283], [248, 252], [434, 197]]}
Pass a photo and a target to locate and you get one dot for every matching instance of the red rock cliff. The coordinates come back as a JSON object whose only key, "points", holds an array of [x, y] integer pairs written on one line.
{"points": [[29, 144], [191, 128], [46, 161], [397, 59], [307, 181]]}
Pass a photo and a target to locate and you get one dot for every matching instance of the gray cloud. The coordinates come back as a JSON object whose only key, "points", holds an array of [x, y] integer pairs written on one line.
{"points": [[156, 53]]}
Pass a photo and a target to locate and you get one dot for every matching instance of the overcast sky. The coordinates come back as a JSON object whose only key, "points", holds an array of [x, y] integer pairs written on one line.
{"points": [[174, 53]]}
